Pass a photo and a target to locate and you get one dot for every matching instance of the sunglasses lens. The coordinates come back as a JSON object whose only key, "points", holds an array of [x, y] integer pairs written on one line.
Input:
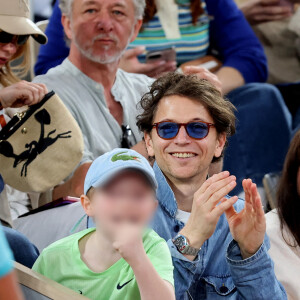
{"points": [[167, 130], [5, 37], [197, 130], [22, 39]]}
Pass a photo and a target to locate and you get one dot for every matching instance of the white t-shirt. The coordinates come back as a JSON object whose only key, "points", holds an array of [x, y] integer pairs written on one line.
{"points": [[182, 216], [286, 258]]}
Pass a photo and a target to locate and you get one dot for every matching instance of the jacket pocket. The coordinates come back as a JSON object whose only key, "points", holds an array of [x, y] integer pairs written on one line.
{"points": [[222, 286]]}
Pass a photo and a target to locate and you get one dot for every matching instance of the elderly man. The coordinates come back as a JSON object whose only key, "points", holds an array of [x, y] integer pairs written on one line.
{"points": [[186, 123], [101, 97]]}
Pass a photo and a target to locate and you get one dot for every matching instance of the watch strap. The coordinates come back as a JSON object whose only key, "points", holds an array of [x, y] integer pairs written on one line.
{"points": [[191, 251], [187, 250]]}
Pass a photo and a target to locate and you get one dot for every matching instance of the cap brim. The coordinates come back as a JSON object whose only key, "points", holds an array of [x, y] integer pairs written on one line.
{"points": [[22, 26], [115, 171]]}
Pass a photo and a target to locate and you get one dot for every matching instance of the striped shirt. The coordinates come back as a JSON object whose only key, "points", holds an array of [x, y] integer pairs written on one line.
{"points": [[194, 41]]}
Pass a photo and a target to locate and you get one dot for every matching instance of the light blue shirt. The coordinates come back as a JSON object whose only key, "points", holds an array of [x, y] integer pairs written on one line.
{"points": [[6, 257]]}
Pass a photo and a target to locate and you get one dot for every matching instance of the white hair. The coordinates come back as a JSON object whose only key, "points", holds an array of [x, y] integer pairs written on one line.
{"points": [[140, 5]]}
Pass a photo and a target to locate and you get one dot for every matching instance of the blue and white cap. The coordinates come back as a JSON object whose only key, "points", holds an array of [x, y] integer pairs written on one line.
{"points": [[107, 166]]}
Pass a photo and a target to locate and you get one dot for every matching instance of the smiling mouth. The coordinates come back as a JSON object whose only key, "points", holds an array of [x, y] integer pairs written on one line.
{"points": [[183, 154]]}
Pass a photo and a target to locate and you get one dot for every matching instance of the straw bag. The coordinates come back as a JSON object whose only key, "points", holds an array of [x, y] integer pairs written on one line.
{"points": [[40, 147]]}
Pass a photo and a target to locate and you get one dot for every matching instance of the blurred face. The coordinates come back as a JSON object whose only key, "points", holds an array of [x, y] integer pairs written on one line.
{"points": [[102, 29], [127, 198], [7, 51], [183, 157]]}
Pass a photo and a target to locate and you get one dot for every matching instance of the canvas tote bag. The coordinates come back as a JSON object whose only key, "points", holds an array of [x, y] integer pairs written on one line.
{"points": [[40, 147]]}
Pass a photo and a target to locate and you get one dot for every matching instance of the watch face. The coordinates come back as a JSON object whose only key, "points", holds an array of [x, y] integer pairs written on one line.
{"points": [[180, 242]]}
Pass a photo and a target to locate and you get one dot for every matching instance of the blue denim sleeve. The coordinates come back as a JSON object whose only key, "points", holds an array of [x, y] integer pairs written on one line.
{"points": [[184, 270], [254, 277]]}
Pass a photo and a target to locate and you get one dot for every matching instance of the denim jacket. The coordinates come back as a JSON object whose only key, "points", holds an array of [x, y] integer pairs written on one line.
{"points": [[218, 272]]}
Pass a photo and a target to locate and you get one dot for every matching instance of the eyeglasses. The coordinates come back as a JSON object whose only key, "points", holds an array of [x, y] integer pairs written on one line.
{"points": [[196, 130], [6, 38], [128, 140]]}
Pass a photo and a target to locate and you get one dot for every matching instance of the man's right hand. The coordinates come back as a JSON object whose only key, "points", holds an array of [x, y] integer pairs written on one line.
{"points": [[130, 63], [22, 93], [208, 205]]}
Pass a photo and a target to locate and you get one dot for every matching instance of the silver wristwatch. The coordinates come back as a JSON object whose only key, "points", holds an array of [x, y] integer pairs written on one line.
{"points": [[182, 245]]}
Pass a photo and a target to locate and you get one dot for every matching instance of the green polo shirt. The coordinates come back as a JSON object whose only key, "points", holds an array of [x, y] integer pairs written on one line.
{"points": [[62, 263]]}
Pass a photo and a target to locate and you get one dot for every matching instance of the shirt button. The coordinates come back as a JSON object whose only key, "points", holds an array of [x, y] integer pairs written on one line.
{"points": [[223, 289], [176, 228]]}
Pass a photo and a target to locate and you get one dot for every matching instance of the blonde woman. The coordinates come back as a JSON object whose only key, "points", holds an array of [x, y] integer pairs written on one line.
{"points": [[16, 28]]}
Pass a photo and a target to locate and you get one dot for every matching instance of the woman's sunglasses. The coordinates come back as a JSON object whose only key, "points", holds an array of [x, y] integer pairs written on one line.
{"points": [[196, 130], [6, 38]]}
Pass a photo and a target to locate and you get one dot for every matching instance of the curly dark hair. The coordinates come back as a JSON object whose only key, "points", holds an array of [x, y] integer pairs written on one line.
{"points": [[287, 194], [189, 86]]}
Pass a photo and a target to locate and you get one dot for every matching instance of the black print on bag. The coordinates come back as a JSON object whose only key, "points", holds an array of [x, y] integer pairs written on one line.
{"points": [[34, 148]]}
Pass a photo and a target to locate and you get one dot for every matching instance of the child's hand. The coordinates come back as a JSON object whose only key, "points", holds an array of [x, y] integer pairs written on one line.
{"points": [[128, 242]]}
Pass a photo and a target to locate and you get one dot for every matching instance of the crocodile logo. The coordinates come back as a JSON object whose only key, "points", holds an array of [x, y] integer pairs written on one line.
{"points": [[124, 157]]}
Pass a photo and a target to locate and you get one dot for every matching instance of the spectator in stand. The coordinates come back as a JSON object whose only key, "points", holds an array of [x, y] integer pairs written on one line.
{"points": [[15, 30], [219, 25], [283, 223]]}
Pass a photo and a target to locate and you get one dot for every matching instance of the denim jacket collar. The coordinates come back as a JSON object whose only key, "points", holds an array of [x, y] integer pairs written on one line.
{"points": [[164, 192]]}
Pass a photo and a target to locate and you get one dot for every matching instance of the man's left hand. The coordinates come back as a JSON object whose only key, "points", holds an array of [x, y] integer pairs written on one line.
{"points": [[248, 227]]}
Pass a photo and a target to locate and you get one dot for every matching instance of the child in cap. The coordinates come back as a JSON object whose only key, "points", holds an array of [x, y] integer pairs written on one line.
{"points": [[120, 258]]}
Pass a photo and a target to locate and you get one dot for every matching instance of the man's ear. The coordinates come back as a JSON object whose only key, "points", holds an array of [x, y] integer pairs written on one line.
{"points": [[136, 29], [149, 144], [66, 22], [86, 204], [221, 141]]}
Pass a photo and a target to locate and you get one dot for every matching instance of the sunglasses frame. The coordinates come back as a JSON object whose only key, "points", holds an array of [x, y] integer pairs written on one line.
{"points": [[209, 125], [15, 38]]}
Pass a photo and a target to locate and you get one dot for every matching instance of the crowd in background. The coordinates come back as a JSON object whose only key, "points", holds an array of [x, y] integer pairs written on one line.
{"points": [[208, 92]]}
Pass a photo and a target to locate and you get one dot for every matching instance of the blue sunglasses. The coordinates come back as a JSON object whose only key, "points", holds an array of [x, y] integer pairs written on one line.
{"points": [[196, 130]]}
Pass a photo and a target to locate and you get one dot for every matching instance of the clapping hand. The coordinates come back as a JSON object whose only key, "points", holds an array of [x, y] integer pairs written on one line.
{"points": [[208, 205], [248, 227]]}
